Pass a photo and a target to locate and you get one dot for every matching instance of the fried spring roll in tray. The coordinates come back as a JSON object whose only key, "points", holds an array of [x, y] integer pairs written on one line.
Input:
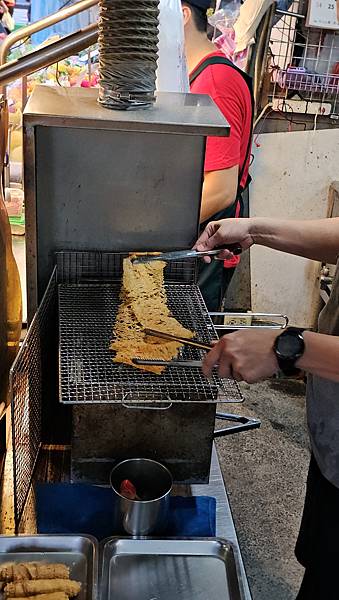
{"points": [[53, 596], [32, 570], [42, 586]]}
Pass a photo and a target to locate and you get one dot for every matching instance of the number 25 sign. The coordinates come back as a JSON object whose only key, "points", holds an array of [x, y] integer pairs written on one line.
{"points": [[323, 13]]}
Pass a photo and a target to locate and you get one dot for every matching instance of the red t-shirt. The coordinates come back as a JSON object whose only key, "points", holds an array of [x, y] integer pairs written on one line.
{"points": [[229, 91]]}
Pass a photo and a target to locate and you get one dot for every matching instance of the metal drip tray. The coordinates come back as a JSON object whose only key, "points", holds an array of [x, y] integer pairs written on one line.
{"points": [[184, 569], [87, 314]]}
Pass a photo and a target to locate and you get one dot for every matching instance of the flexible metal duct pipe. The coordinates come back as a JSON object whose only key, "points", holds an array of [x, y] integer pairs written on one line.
{"points": [[128, 44]]}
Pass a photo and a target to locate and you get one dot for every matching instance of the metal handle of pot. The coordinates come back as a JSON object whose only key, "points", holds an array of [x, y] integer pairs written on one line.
{"points": [[142, 406], [233, 315], [243, 424]]}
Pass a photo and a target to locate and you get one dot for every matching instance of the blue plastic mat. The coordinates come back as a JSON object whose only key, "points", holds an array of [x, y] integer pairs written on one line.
{"points": [[88, 509]]}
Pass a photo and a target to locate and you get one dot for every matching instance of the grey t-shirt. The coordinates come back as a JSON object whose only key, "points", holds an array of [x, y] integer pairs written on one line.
{"points": [[323, 400]]}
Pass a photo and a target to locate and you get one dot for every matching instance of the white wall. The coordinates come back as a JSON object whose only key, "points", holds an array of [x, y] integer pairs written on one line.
{"points": [[291, 176]]}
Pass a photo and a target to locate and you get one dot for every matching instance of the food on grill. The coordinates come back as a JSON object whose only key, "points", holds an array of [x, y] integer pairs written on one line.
{"points": [[33, 570], [52, 596], [42, 586], [144, 305]]}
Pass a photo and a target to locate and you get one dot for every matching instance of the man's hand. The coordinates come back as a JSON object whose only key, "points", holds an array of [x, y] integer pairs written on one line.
{"points": [[314, 239], [226, 231], [3, 7], [245, 355]]}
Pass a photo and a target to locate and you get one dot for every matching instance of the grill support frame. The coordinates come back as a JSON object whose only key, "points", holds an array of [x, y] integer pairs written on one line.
{"points": [[35, 395], [180, 437], [88, 374]]}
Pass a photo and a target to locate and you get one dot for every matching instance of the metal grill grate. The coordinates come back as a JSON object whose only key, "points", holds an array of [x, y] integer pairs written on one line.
{"points": [[26, 390], [87, 373], [304, 65], [77, 267]]}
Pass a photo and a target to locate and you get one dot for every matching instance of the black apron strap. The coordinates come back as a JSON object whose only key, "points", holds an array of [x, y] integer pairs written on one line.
{"points": [[222, 60], [219, 60]]}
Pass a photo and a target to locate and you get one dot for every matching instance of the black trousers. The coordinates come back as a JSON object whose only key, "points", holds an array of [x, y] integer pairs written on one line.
{"points": [[213, 281], [317, 547]]}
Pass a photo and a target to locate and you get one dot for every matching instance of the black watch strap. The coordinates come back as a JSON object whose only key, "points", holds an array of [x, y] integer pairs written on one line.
{"points": [[285, 360]]}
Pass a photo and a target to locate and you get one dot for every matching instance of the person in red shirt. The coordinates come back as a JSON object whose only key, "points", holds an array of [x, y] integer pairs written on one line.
{"points": [[227, 158]]}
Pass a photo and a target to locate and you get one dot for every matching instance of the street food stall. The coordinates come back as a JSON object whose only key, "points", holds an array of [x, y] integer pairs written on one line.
{"points": [[101, 185], [85, 211]]}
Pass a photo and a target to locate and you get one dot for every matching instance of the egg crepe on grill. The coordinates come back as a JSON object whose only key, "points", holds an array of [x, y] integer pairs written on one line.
{"points": [[144, 306]]}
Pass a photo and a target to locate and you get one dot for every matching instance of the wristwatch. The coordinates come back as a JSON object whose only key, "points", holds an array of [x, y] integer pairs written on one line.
{"points": [[289, 346]]}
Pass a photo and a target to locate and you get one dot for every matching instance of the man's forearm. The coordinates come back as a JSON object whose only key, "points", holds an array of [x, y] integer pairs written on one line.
{"points": [[219, 191], [321, 356], [213, 203], [317, 240]]}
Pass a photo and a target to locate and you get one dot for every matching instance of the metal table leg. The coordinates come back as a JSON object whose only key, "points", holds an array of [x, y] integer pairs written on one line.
{"points": [[224, 521]]}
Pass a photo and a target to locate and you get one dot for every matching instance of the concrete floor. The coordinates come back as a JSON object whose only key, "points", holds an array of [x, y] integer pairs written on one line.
{"points": [[265, 472]]}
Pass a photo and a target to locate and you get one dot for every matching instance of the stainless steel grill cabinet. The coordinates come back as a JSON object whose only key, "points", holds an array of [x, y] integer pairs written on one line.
{"points": [[98, 179], [118, 411], [100, 183]]}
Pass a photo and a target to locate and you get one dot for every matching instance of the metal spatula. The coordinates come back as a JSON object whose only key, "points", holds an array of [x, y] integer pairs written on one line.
{"points": [[173, 363], [183, 254], [181, 340]]}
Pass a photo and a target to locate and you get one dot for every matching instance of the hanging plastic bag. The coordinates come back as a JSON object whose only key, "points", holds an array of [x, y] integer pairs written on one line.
{"points": [[222, 21], [224, 16], [172, 74]]}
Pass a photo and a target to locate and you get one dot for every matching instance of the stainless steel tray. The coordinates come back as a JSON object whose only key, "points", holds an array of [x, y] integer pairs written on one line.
{"points": [[169, 569], [76, 551]]}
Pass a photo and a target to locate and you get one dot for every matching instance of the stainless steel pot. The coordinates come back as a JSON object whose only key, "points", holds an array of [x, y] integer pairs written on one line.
{"points": [[149, 513]]}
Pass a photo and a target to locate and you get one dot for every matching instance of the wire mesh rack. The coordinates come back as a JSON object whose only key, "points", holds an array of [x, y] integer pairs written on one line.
{"points": [[304, 64], [26, 391], [87, 373], [77, 267], [33, 374]]}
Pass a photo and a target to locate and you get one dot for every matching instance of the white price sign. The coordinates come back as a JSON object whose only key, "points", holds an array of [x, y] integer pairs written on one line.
{"points": [[322, 13]]}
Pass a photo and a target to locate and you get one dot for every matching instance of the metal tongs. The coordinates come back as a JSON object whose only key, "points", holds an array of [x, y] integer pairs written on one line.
{"points": [[175, 338], [236, 249]]}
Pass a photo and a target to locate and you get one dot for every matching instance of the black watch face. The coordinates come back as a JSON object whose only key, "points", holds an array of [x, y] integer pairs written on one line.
{"points": [[289, 345]]}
